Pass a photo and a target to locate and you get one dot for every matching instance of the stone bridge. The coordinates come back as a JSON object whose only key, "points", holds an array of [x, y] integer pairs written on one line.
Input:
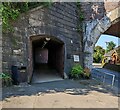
{"points": [[59, 23], [100, 18]]}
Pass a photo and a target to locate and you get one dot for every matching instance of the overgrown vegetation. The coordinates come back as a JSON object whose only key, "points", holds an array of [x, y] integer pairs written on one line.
{"points": [[6, 79], [81, 17], [11, 11], [80, 13], [77, 72]]}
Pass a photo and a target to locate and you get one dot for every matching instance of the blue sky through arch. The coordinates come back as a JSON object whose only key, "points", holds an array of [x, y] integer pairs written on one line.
{"points": [[107, 38]]}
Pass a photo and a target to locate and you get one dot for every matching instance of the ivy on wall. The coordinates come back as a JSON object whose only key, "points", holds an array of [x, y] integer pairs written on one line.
{"points": [[80, 17], [11, 11]]}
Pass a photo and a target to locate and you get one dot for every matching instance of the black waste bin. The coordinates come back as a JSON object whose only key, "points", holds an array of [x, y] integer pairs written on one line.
{"points": [[22, 74], [15, 74]]}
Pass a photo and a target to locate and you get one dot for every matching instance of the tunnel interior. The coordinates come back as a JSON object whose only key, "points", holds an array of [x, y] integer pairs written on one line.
{"points": [[48, 59]]}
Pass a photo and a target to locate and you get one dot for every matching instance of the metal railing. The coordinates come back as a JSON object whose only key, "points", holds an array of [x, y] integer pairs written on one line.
{"points": [[103, 75]]}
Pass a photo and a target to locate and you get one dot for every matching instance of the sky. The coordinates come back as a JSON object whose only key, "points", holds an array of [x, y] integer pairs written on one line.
{"points": [[107, 38]]}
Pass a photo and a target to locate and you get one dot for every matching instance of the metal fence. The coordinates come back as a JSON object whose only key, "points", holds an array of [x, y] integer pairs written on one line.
{"points": [[105, 77]]}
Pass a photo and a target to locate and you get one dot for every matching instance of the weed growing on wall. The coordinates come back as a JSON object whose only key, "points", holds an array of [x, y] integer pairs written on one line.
{"points": [[80, 17], [12, 10]]}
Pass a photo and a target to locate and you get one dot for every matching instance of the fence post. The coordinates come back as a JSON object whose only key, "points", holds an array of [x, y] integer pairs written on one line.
{"points": [[113, 80], [104, 79]]}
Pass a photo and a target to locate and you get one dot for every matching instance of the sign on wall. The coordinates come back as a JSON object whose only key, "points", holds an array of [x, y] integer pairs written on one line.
{"points": [[76, 58]]}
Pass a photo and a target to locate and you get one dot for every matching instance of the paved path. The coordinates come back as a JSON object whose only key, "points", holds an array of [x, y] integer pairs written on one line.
{"points": [[60, 94]]}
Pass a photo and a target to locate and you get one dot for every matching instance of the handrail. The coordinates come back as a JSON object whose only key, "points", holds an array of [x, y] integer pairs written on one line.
{"points": [[113, 77]]}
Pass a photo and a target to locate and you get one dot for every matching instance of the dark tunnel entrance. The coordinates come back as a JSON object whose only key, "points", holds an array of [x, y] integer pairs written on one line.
{"points": [[48, 60]]}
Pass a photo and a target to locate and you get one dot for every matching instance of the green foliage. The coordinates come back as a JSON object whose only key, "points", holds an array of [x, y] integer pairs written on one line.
{"points": [[111, 45], [6, 79], [76, 71], [11, 11], [81, 17], [4, 75], [98, 54], [80, 13]]}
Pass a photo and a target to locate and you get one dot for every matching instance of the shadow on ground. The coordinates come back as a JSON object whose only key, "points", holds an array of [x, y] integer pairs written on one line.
{"points": [[81, 87]]}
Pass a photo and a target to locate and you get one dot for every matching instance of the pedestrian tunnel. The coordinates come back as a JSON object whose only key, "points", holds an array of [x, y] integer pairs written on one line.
{"points": [[48, 59]]}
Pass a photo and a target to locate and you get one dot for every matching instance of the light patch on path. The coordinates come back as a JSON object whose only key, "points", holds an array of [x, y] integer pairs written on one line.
{"points": [[94, 99]]}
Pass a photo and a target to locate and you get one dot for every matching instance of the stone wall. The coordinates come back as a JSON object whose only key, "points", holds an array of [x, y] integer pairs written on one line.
{"points": [[109, 6], [99, 17], [94, 10], [0, 46], [97, 10], [59, 20]]}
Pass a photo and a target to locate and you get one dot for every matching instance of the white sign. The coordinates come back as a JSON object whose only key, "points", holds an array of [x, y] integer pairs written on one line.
{"points": [[16, 52], [76, 58]]}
